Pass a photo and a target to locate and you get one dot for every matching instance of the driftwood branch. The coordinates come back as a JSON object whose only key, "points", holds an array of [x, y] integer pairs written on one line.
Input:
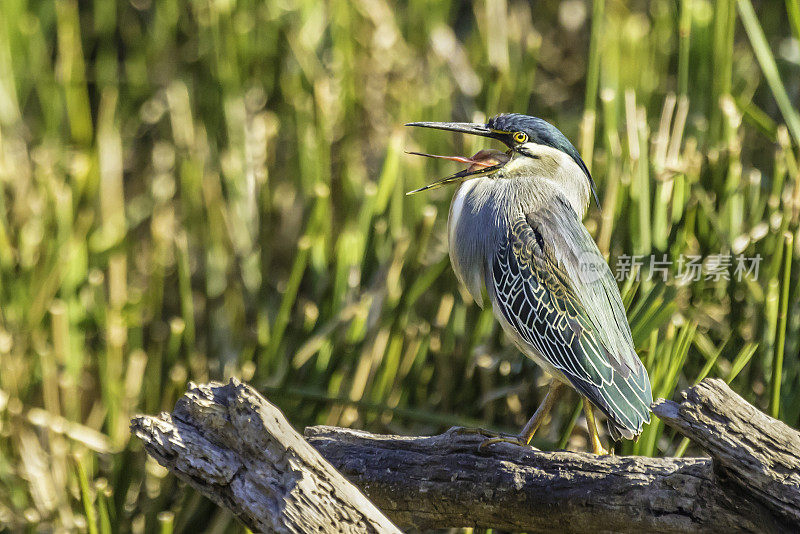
{"points": [[445, 481], [759, 453], [235, 447], [238, 449]]}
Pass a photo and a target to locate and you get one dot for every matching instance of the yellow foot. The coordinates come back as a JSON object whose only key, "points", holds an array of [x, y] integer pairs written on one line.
{"points": [[493, 437], [514, 440], [466, 431]]}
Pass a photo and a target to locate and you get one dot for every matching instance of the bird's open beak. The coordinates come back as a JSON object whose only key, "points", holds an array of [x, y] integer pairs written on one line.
{"points": [[477, 167]]}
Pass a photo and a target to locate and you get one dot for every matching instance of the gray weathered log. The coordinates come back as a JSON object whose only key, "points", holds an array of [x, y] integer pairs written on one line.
{"points": [[440, 481], [757, 452], [238, 449], [235, 447]]}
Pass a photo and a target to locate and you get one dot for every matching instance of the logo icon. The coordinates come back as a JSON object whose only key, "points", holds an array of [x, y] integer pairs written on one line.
{"points": [[591, 266]]}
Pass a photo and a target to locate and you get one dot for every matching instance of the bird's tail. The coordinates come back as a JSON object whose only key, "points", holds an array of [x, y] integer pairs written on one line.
{"points": [[629, 410]]}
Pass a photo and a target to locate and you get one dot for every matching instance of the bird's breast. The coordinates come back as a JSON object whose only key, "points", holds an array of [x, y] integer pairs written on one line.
{"points": [[457, 209], [481, 212], [474, 231]]}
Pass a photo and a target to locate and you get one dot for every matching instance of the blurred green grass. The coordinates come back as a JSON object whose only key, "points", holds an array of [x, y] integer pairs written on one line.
{"points": [[198, 189]]}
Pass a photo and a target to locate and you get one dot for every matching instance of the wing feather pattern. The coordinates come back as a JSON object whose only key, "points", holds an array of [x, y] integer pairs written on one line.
{"points": [[555, 290]]}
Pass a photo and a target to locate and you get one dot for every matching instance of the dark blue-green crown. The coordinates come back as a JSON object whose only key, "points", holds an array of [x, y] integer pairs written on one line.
{"points": [[540, 132]]}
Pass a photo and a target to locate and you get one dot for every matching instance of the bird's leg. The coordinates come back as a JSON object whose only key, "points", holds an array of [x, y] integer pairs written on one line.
{"points": [[597, 445], [527, 432], [530, 428]]}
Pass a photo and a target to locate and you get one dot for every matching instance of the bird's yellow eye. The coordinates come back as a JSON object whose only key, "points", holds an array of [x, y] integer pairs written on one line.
{"points": [[520, 137]]}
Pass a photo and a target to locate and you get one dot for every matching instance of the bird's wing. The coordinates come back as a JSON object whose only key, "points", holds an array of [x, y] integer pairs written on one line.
{"points": [[552, 285]]}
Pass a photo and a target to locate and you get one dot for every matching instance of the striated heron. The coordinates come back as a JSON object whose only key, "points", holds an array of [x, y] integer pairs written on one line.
{"points": [[516, 239]]}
